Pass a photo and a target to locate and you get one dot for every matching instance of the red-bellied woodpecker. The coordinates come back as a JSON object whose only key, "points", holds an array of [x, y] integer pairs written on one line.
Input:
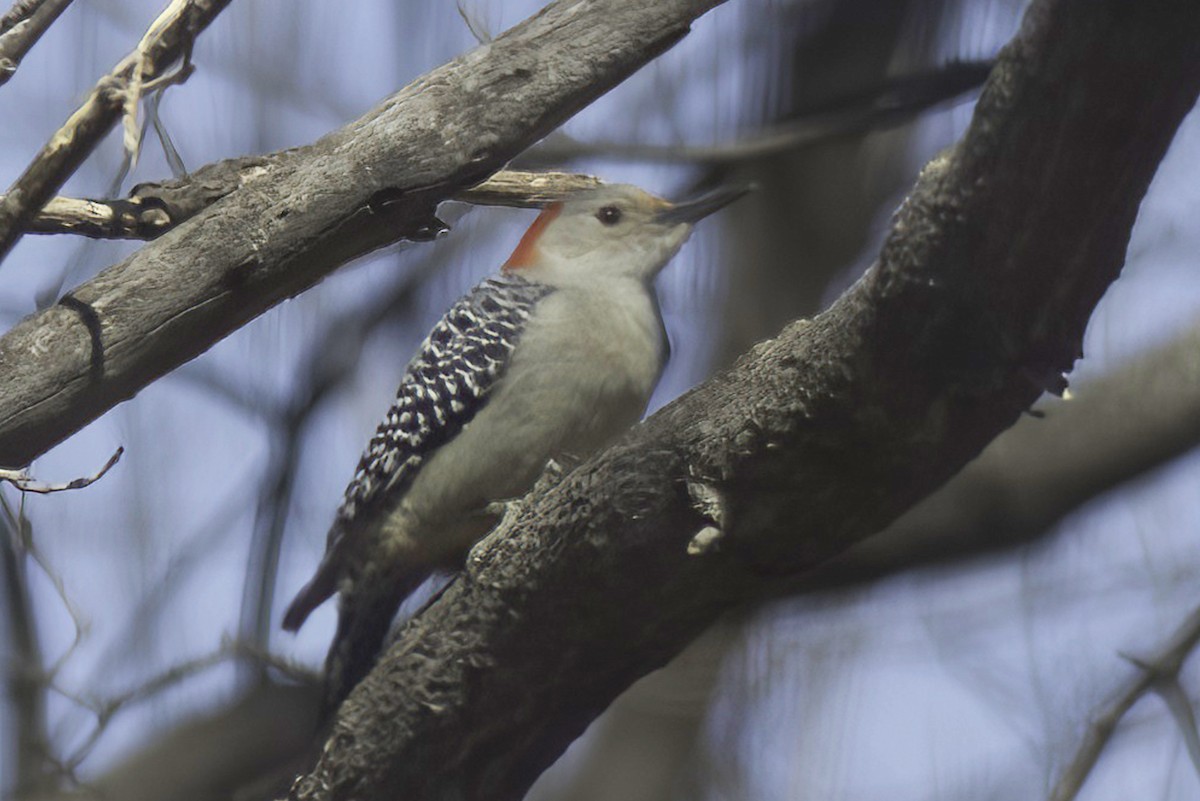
{"points": [[554, 357]]}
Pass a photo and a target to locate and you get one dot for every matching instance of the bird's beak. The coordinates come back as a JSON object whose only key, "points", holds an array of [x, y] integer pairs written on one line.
{"points": [[696, 209]]}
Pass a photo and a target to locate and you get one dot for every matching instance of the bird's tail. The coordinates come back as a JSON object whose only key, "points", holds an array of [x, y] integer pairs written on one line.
{"points": [[365, 612]]}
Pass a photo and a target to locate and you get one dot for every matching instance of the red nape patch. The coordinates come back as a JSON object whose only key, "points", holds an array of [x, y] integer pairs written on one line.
{"points": [[526, 252]]}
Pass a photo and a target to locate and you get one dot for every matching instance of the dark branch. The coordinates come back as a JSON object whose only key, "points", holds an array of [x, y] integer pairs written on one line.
{"points": [[814, 440], [375, 181]]}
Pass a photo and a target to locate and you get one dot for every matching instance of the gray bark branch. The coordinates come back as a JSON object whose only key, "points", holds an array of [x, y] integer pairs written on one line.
{"points": [[814, 440], [305, 212]]}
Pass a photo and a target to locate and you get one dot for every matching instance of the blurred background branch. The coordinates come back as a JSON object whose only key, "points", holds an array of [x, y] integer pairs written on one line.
{"points": [[1162, 668]]}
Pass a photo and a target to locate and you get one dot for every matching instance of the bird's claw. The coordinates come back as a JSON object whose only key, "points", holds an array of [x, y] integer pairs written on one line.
{"points": [[710, 505]]}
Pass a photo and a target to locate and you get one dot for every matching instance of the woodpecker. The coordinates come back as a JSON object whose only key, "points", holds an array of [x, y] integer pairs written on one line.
{"points": [[554, 357]]}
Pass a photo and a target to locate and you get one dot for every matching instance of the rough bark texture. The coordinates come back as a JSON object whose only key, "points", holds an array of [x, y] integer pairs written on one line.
{"points": [[368, 184], [814, 440]]}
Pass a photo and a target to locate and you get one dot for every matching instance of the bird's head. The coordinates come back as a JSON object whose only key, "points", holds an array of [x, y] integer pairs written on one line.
{"points": [[612, 231]]}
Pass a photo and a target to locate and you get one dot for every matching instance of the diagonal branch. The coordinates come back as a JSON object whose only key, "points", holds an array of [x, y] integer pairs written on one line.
{"points": [[897, 101], [170, 37], [304, 213], [21, 28], [811, 442]]}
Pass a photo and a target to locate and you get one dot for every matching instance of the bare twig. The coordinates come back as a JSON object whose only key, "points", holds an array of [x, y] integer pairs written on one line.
{"points": [[24, 482], [1156, 672], [79, 622], [20, 29], [153, 209], [114, 96]]}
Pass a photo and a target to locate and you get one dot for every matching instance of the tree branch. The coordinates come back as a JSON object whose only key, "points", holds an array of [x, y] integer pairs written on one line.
{"points": [[21, 28], [152, 209], [308, 210], [895, 102], [812, 441], [169, 37]]}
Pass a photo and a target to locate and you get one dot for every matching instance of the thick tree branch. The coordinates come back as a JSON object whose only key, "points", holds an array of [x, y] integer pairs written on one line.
{"points": [[20, 29], [813, 440], [169, 37], [307, 211]]}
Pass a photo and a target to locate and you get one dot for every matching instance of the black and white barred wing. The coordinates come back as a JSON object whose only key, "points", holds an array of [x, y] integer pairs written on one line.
{"points": [[445, 386]]}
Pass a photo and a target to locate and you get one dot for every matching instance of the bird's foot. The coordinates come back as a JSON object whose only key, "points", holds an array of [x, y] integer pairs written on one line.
{"points": [[710, 504]]}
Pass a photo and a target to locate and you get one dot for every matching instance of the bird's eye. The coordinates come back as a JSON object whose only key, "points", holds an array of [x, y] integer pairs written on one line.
{"points": [[609, 215]]}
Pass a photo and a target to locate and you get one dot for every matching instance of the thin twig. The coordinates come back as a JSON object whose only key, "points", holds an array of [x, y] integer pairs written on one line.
{"points": [[113, 97], [24, 482], [79, 622], [21, 28], [1156, 673]]}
